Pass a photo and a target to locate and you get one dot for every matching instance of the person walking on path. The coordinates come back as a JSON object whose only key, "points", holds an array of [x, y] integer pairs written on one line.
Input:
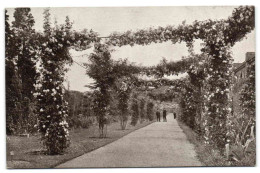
{"points": [[164, 115], [158, 115], [174, 115]]}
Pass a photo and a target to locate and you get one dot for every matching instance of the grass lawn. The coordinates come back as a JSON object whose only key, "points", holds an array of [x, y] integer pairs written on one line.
{"points": [[28, 152]]}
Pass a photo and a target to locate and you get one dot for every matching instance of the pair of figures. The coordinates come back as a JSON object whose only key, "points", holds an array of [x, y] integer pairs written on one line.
{"points": [[158, 115]]}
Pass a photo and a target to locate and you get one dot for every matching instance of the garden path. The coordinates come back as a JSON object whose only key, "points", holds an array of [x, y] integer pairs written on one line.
{"points": [[160, 144]]}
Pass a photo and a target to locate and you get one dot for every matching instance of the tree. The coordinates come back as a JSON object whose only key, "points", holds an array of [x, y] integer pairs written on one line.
{"points": [[25, 55], [25, 50], [13, 85], [86, 105], [78, 105]]}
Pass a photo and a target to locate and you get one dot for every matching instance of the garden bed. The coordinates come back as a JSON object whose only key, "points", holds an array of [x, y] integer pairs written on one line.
{"points": [[209, 156], [206, 154]]}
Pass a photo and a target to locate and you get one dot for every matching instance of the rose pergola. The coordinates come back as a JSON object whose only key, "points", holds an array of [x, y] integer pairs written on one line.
{"points": [[218, 37], [213, 69]]}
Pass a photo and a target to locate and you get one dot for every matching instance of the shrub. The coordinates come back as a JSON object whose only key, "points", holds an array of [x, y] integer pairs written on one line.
{"points": [[81, 121], [135, 110], [142, 110]]}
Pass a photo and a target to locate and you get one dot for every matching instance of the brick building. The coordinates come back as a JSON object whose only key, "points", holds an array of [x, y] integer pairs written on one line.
{"points": [[240, 69], [240, 77]]}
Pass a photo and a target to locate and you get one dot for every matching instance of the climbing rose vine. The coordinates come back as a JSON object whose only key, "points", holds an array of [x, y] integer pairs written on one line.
{"points": [[52, 108]]}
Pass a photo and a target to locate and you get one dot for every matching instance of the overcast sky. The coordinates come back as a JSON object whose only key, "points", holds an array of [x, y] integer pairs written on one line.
{"points": [[107, 20]]}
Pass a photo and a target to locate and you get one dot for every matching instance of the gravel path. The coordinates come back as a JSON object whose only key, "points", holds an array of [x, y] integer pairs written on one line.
{"points": [[160, 144]]}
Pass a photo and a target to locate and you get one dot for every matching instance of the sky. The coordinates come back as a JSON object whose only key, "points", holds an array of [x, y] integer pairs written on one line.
{"points": [[106, 20]]}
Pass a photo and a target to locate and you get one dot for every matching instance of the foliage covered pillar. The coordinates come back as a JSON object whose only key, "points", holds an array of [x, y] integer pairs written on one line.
{"points": [[52, 108], [217, 95], [123, 91], [217, 110], [100, 70]]}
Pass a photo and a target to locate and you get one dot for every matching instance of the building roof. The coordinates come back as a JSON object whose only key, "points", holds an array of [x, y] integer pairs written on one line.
{"points": [[236, 65], [250, 56], [241, 66]]}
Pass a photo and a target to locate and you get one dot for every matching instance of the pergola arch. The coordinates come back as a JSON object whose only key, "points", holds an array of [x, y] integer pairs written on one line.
{"points": [[218, 37]]}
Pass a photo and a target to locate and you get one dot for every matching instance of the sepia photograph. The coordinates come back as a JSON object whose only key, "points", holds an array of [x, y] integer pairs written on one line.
{"points": [[130, 87]]}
